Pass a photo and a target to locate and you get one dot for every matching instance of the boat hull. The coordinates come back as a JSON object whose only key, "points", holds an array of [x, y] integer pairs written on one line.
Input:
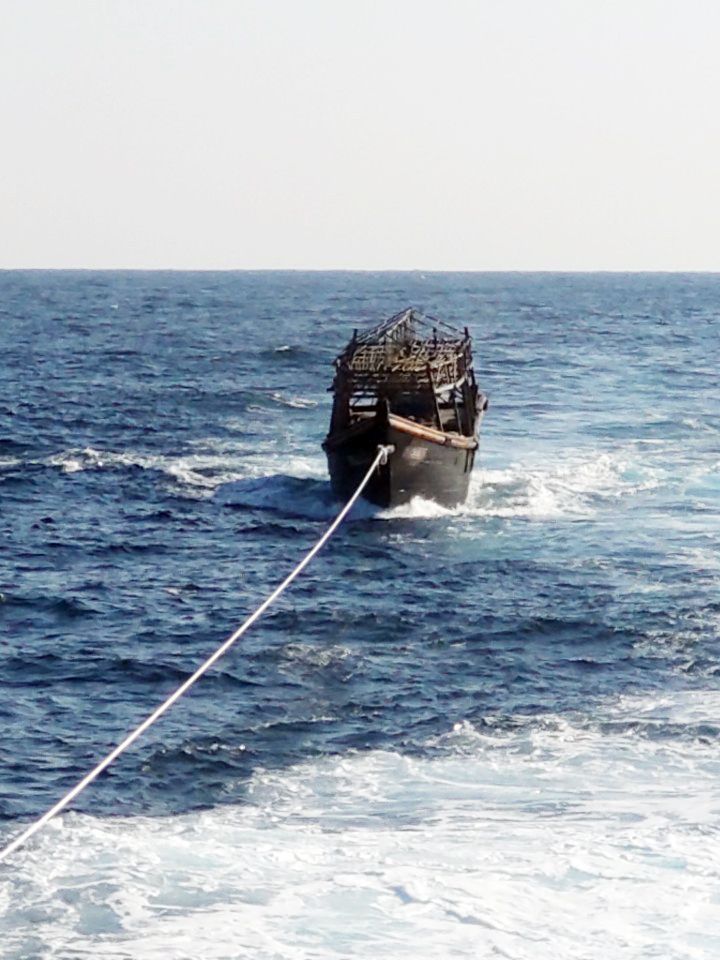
{"points": [[424, 463]]}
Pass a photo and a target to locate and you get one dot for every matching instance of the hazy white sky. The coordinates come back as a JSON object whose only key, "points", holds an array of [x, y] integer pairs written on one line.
{"points": [[462, 134]]}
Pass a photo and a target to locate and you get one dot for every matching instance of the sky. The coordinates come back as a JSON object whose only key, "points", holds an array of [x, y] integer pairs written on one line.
{"points": [[359, 134]]}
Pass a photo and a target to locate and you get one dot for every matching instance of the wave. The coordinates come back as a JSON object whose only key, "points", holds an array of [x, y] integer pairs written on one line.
{"points": [[633, 723], [201, 473], [575, 487], [700, 424], [513, 842], [90, 458], [242, 474], [297, 403], [303, 497], [65, 607]]}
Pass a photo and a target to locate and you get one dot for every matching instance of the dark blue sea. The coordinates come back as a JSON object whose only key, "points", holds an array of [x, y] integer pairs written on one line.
{"points": [[485, 732]]}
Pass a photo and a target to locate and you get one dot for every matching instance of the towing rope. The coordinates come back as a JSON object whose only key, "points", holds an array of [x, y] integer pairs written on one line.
{"points": [[380, 459]]}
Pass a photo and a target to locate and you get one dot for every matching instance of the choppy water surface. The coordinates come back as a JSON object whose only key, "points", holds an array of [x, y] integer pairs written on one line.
{"points": [[487, 732]]}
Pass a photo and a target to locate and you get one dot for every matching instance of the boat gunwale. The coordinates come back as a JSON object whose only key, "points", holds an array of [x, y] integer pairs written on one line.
{"points": [[417, 430]]}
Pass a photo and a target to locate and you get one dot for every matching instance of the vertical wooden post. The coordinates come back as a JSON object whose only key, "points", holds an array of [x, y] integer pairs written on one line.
{"points": [[435, 399]]}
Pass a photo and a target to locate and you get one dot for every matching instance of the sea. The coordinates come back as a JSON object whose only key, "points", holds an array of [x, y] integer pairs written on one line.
{"points": [[485, 732]]}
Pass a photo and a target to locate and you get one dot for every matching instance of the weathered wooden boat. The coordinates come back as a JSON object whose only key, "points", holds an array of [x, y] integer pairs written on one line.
{"points": [[408, 383]]}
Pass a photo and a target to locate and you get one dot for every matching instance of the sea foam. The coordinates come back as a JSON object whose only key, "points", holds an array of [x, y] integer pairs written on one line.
{"points": [[573, 486], [553, 838]]}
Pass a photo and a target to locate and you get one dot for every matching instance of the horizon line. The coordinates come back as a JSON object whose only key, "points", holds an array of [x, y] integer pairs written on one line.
{"points": [[415, 270]]}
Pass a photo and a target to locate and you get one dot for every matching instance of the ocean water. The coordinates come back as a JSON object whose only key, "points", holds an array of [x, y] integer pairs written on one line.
{"points": [[479, 733]]}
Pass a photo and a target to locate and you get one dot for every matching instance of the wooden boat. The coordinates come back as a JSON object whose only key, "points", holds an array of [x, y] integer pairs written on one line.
{"points": [[408, 383]]}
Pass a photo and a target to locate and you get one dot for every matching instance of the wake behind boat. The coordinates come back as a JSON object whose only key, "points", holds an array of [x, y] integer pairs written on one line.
{"points": [[408, 383]]}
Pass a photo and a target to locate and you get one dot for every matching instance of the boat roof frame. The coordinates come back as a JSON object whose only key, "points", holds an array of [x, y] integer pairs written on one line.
{"points": [[392, 355], [396, 328]]}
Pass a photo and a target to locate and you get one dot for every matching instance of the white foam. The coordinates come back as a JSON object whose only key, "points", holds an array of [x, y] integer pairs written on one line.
{"points": [[694, 423], [417, 509], [297, 403], [201, 473], [573, 486], [554, 840], [314, 656]]}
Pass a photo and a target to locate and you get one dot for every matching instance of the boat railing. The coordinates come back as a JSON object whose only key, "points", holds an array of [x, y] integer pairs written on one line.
{"points": [[419, 370]]}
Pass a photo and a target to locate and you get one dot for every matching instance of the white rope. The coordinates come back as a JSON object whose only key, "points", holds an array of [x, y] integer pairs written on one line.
{"points": [[381, 458]]}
